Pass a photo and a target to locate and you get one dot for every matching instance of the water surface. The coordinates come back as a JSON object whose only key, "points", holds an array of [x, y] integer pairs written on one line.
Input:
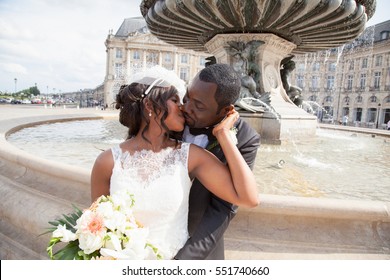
{"points": [[333, 164]]}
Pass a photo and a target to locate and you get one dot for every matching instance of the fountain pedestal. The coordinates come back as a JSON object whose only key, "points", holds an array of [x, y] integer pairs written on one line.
{"points": [[286, 120]]}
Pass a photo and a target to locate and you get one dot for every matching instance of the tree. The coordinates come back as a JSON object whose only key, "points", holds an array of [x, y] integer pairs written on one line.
{"points": [[34, 91]]}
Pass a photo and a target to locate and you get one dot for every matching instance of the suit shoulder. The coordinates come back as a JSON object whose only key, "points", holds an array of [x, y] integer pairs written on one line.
{"points": [[244, 129]]}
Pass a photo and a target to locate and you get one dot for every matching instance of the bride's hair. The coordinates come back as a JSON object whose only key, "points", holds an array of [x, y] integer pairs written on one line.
{"points": [[132, 110]]}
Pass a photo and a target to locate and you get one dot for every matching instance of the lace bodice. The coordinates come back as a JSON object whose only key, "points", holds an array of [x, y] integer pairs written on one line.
{"points": [[161, 185]]}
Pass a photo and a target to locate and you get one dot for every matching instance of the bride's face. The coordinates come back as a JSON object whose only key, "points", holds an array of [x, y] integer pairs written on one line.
{"points": [[175, 119]]}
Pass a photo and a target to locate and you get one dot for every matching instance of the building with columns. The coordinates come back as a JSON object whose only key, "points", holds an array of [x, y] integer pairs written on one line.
{"points": [[132, 48], [352, 80]]}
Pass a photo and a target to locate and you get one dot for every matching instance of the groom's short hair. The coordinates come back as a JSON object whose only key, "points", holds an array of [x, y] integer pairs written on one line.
{"points": [[227, 80]]}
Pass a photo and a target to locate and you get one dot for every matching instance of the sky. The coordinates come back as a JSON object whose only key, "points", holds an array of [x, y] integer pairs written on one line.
{"points": [[59, 44]]}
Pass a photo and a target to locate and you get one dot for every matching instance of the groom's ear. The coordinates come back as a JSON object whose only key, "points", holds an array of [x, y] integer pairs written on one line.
{"points": [[225, 110]]}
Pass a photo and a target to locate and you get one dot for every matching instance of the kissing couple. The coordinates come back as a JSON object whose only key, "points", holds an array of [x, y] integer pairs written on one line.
{"points": [[187, 161]]}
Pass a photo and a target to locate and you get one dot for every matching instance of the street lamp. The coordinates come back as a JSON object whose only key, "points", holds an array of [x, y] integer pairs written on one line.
{"points": [[16, 80], [81, 92], [377, 115]]}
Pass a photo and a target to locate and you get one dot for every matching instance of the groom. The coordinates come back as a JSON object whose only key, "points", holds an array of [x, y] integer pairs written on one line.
{"points": [[209, 98]]}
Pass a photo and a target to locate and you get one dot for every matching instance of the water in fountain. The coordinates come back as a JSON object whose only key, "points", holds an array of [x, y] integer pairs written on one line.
{"points": [[328, 165], [260, 105], [334, 104]]}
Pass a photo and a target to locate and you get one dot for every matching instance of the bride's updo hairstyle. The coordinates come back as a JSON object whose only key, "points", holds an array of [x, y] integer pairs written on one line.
{"points": [[131, 101]]}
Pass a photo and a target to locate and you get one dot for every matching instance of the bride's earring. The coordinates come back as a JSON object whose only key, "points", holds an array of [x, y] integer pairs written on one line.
{"points": [[150, 113]]}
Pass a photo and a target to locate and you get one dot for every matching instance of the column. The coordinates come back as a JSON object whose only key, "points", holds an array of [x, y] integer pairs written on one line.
{"points": [[144, 60]]}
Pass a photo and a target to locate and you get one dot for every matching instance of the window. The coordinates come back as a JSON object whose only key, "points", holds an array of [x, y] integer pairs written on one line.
{"points": [[152, 58], [118, 53], [359, 99], [364, 62], [168, 57], [184, 73], [301, 67], [118, 69], [330, 82], [378, 60], [371, 115], [184, 58], [314, 82], [202, 61], [377, 80], [316, 66], [373, 99], [313, 98], [349, 81], [300, 81], [384, 35], [351, 65], [363, 81], [332, 66], [359, 113], [136, 55], [346, 99], [329, 99]]}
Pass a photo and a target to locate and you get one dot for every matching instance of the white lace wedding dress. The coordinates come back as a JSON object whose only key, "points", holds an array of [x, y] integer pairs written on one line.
{"points": [[161, 186]]}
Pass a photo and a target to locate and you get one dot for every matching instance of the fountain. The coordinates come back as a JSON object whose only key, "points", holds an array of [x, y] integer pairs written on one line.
{"points": [[261, 35], [36, 190]]}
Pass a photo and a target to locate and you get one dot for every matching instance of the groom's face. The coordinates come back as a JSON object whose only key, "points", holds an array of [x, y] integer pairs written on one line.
{"points": [[199, 105]]}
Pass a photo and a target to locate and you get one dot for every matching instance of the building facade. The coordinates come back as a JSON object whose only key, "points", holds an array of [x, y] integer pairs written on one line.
{"points": [[133, 49], [350, 81]]}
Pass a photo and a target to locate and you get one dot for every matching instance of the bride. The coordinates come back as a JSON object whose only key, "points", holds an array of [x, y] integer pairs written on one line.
{"points": [[155, 166]]}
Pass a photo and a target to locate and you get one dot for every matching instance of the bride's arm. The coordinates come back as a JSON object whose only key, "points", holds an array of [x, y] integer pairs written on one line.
{"points": [[101, 174], [234, 183]]}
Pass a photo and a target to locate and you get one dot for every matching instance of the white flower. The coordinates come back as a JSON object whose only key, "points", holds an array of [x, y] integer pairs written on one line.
{"points": [[136, 239], [105, 209], [126, 254], [134, 248], [123, 201], [116, 222], [233, 135], [113, 242], [108, 228], [89, 243], [65, 234]]}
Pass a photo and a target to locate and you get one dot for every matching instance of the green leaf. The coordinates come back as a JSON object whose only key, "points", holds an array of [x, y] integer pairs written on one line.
{"points": [[69, 252]]}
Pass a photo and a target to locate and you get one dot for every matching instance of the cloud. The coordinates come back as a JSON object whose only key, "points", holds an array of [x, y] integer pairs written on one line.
{"points": [[13, 68], [57, 44]]}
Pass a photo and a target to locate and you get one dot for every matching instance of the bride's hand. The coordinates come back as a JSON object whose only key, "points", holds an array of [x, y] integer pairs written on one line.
{"points": [[226, 124]]}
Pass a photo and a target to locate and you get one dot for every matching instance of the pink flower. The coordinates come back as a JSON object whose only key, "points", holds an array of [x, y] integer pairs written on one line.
{"points": [[91, 231]]}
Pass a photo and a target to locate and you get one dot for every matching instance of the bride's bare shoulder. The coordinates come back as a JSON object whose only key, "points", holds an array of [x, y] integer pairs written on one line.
{"points": [[104, 158]]}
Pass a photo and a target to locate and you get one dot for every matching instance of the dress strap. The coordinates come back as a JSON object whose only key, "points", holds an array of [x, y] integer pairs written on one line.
{"points": [[185, 148], [116, 152]]}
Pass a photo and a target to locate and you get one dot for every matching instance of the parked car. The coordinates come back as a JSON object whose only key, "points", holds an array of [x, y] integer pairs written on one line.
{"points": [[36, 101], [327, 119]]}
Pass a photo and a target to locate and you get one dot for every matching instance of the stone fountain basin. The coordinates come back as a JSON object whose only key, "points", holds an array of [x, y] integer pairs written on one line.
{"points": [[311, 25], [36, 190]]}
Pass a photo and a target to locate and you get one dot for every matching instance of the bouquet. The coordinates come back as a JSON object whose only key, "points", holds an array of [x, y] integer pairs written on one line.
{"points": [[106, 230]]}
